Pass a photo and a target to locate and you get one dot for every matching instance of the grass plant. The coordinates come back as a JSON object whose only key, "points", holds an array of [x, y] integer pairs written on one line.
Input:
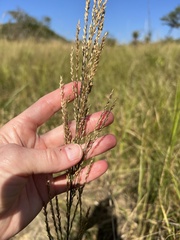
{"points": [[84, 61]]}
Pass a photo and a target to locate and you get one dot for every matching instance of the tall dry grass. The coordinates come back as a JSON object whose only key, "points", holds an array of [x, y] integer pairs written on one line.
{"points": [[144, 169]]}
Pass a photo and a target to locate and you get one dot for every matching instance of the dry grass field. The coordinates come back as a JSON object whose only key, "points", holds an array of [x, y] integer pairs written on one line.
{"points": [[139, 196]]}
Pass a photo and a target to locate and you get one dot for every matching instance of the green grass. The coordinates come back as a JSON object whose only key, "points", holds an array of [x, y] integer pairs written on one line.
{"points": [[144, 168]]}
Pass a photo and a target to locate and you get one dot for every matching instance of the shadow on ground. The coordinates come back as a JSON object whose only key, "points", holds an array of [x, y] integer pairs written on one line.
{"points": [[105, 220]]}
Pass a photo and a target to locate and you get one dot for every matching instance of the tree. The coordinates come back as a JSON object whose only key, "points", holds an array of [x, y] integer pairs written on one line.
{"points": [[23, 26], [21, 17], [135, 36], [46, 21], [172, 19]]}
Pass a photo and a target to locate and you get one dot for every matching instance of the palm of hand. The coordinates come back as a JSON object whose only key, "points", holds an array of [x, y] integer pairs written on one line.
{"points": [[23, 195]]}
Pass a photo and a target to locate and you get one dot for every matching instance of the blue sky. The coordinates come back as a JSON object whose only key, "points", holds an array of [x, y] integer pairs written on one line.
{"points": [[122, 16]]}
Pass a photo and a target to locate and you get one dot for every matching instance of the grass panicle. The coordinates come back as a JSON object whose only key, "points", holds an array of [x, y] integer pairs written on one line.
{"points": [[84, 60]]}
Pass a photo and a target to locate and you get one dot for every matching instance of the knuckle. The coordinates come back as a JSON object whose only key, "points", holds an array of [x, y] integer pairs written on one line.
{"points": [[52, 158]]}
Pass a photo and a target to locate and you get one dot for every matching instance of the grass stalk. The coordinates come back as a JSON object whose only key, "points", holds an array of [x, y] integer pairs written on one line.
{"points": [[84, 60]]}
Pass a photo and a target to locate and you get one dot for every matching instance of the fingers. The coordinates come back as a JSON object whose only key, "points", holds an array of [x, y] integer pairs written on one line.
{"points": [[46, 106], [94, 172], [24, 162], [55, 137], [101, 145]]}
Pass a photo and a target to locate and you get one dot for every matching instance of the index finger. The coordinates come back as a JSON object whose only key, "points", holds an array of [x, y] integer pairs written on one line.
{"points": [[47, 106]]}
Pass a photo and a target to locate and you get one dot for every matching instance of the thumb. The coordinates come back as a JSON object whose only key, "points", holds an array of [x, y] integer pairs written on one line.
{"points": [[25, 161]]}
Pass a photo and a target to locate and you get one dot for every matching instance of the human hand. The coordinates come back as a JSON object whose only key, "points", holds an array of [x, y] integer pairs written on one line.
{"points": [[28, 160]]}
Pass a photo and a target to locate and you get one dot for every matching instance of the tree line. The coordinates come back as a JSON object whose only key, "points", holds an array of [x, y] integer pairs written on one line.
{"points": [[172, 20], [22, 26]]}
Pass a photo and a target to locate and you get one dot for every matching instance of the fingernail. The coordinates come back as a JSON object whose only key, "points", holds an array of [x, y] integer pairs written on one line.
{"points": [[73, 151]]}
